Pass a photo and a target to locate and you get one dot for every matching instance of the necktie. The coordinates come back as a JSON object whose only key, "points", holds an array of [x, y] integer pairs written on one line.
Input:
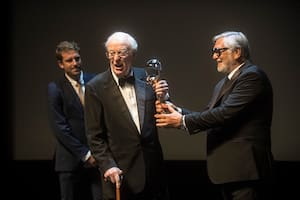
{"points": [[80, 92], [129, 80]]}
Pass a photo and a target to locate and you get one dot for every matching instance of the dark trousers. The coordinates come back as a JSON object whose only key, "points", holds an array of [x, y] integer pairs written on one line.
{"points": [[84, 184], [247, 190]]}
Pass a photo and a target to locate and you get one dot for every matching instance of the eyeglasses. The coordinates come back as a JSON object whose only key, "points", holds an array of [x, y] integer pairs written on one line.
{"points": [[122, 53], [218, 51], [76, 58]]}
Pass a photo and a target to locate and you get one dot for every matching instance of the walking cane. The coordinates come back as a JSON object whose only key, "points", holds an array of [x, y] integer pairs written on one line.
{"points": [[118, 185], [118, 193]]}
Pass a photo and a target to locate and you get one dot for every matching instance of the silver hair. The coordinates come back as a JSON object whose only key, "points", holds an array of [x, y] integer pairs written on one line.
{"points": [[122, 37], [233, 39]]}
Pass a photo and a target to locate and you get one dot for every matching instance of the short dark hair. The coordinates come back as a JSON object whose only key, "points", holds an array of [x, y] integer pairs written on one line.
{"points": [[65, 46]]}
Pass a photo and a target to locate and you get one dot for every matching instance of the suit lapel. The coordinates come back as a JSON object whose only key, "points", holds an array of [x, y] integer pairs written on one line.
{"points": [[140, 98], [217, 93], [71, 93], [226, 86], [113, 89], [222, 87]]}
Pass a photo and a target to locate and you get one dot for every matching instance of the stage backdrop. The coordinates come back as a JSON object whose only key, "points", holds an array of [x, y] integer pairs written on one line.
{"points": [[178, 34]]}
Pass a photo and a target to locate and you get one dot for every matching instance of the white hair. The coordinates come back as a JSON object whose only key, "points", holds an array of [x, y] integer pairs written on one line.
{"points": [[122, 37]]}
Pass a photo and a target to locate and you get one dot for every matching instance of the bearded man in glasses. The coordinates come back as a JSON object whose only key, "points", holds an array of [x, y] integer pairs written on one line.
{"points": [[237, 120]]}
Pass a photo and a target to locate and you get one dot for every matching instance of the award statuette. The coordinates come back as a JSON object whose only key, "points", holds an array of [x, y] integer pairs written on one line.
{"points": [[153, 70]]}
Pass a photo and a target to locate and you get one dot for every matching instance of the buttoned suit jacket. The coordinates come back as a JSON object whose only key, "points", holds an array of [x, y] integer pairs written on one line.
{"points": [[66, 116], [114, 138], [238, 123]]}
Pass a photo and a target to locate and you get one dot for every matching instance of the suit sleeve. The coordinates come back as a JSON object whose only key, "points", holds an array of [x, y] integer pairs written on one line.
{"points": [[245, 90]]}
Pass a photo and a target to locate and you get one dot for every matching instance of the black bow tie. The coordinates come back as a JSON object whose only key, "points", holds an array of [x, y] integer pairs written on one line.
{"points": [[129, 80]]}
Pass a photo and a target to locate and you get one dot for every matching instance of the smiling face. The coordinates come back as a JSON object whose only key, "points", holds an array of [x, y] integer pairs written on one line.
{"points": [[227, 58], [71, 63], [120, 56]]}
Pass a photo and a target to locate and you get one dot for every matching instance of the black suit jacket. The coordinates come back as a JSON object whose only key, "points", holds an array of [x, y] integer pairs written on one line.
{"points": [[67, 121], [114, 138], [238, 120]]}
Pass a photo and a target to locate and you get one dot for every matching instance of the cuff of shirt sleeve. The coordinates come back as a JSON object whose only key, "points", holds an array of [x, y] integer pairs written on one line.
{"points": [[179, 110], [86, 157], [182, 123]]}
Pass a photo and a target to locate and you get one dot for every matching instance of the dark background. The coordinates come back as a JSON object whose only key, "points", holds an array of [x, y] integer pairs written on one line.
{"points": [[179, 35]]}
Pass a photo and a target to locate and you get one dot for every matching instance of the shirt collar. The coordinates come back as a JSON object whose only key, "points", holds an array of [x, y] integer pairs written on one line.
{"points": [[74, 82], [230, 75]]}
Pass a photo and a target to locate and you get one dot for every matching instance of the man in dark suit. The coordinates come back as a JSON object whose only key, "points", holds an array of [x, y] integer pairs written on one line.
{"points": [[238, 122], [77, 170], [120, 125]]}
